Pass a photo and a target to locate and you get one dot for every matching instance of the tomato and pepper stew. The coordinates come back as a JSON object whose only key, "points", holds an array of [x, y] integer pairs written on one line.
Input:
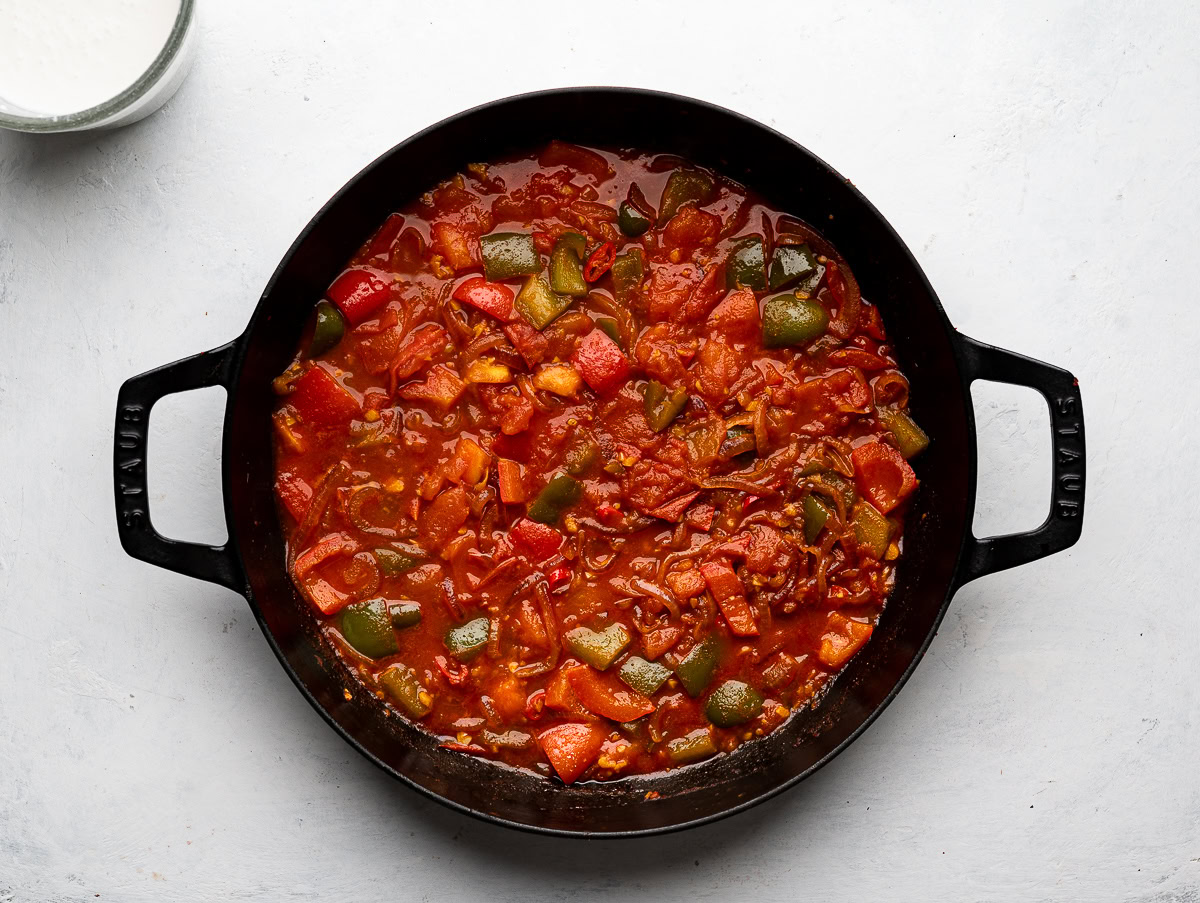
{"points": [[593, 463]]}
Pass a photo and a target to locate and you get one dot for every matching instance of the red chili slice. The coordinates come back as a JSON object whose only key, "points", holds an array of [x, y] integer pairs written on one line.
{"points": [[599, 262]]}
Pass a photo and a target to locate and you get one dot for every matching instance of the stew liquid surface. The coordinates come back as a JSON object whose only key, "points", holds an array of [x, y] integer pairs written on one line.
{"points": [[593, 463]]}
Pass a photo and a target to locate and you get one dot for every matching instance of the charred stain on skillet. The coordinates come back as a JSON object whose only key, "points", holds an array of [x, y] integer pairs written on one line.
{"points": [[941, 554]]}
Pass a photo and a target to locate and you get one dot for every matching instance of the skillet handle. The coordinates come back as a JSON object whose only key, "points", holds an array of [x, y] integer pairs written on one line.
{"points": [[1064, 524], [218, 564]]}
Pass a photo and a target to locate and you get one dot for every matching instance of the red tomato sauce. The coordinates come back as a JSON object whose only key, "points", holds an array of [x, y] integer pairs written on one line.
{"points": [[593, 463]]}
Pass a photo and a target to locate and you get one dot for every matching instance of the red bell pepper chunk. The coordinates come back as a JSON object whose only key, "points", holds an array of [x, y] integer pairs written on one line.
{"points": [[727, 589], [441, 387], [661, 639], [320, 592], [512, 487], [605, 698], [560, 576], [701, 517], [673, 510], [530, 343], [601, 363], [295, 493], [882, 475], [358, 293], [490, 297], [540, 541], [572, 747], [322, 401]]}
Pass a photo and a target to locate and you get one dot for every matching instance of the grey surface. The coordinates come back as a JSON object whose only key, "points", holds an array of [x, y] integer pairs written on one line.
{"points": [[1041, 160]]}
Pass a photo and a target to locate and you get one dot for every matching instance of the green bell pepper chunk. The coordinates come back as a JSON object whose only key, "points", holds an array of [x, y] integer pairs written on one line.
{"points": [[788, 320], [508, 254], [696, 668], [393, 562], [628, 270], [608, 326], [539, 305], [367, 627], [790, 264], [631, 221], [871, 529], [692, 747], [685, 186], [910, 438], [580, 456], [401, 683], [746, 265], [405, 614], [329, 328], [566, 265], [815, 515], [466, 641], [560, 493], [732, 703], [660, 407], [643, 676], [598, 648]]}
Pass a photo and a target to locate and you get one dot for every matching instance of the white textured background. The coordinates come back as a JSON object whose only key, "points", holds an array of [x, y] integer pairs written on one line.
{"points": [[1041, 159]]}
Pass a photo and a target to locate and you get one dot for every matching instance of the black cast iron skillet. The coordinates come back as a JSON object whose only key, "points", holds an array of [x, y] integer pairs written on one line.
{"points": [[941, 554]]}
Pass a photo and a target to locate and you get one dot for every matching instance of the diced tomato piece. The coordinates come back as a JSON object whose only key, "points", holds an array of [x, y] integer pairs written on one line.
{"points": [[358, 293], [490, 297], [457, 245], [320, 592], [509, 476], [514, 410], [718, 367], [295, 493], [882, 475], [540, 541], [441, 387], [842, 638], [530, 343], [444, 516], [608, 514], [692, 228], [737, 316], [606, 698], [416, 350], [727, 589], [670, 287], [381, 241], [560, 153], [559, 695], [469, 464], [660, 640], [572, 747], [686, 584], [673, 510], [701, 517], [601, 363], [704, 296], [322, 401], [871, 322]]}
